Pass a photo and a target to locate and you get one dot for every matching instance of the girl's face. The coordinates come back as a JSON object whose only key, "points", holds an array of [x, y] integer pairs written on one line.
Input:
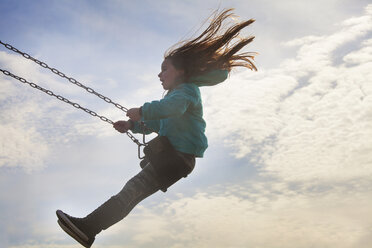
{"points": [[169, 75]]}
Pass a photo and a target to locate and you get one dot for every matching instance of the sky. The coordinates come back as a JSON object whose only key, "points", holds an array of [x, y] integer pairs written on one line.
{"points": [[289, 163]]}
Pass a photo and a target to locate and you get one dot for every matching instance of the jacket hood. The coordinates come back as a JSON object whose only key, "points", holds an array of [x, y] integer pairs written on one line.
{"points": [[210, 78]]}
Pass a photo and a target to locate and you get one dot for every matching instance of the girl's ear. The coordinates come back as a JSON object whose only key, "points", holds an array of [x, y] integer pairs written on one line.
{"points": [[181, 73]]}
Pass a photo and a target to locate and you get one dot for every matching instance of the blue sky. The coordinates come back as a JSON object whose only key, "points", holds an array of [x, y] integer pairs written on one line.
{"points": [[289, 162]]}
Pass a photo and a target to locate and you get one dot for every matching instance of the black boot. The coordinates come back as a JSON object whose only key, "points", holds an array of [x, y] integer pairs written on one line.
{"points": [[84, 230], [75, 228]]}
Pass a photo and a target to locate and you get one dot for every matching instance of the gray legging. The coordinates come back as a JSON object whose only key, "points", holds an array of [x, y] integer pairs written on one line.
{"points": [[136, 189], [144, 184]]}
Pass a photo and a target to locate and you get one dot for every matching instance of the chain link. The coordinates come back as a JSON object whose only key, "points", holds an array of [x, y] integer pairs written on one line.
{"points": [[59, 97], [74, 104], [70, 79], [77, 83]]}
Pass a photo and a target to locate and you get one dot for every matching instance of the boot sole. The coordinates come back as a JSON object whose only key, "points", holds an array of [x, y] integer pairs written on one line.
{"points": [[67, 226]]}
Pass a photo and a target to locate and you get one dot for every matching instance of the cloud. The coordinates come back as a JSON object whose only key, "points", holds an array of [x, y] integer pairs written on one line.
{"points": [[22, 147], [254, 214], [363, 55], [32, 122], [268, 219], [309, 118], [249, 214]]}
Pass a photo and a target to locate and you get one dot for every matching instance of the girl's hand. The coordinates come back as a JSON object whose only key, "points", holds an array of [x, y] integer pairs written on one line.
{"points": [[122, 126], [134, 114]]}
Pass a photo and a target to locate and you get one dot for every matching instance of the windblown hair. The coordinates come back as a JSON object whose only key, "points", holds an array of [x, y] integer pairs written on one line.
{"points": [[216, 48]]}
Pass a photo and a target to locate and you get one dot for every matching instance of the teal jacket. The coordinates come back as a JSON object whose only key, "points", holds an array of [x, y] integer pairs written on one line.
{"points": [[179, 115]]}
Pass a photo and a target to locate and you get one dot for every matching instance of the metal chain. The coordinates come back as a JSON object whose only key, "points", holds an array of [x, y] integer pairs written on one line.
{"points": [[74, 104], [73, 81], [77, 83], [57, 72]]}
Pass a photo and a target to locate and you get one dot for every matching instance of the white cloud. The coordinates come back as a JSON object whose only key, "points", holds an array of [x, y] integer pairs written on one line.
{"points": [[248, 214], [22, 147], [255, 214], [308, 119], [363, 55], [31, 121]]}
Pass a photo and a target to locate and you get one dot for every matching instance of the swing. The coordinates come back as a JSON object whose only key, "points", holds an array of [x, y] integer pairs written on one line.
{"points": [[159, 151], [74, 104]]}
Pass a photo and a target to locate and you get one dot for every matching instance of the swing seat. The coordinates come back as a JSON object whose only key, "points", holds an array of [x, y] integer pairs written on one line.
{"points": [[168, 164]]}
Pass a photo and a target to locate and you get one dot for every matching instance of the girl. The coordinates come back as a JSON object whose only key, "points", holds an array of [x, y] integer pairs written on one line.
{"points": [[178, 119]]}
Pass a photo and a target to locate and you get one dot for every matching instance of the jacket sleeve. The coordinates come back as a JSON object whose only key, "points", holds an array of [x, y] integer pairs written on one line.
{"points": [[153, 125], [210, 78], [174, 104]]}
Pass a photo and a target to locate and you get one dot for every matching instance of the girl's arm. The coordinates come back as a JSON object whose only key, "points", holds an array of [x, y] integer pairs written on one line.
{"points": [[175, 104], [153, 125], [136, 127]]}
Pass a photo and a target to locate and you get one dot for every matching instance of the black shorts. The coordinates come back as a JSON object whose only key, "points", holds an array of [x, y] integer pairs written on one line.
{"points": [[170, 165]]}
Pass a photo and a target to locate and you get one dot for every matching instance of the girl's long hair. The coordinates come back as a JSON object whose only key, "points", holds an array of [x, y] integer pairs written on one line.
{"points": [[216, 48]]}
